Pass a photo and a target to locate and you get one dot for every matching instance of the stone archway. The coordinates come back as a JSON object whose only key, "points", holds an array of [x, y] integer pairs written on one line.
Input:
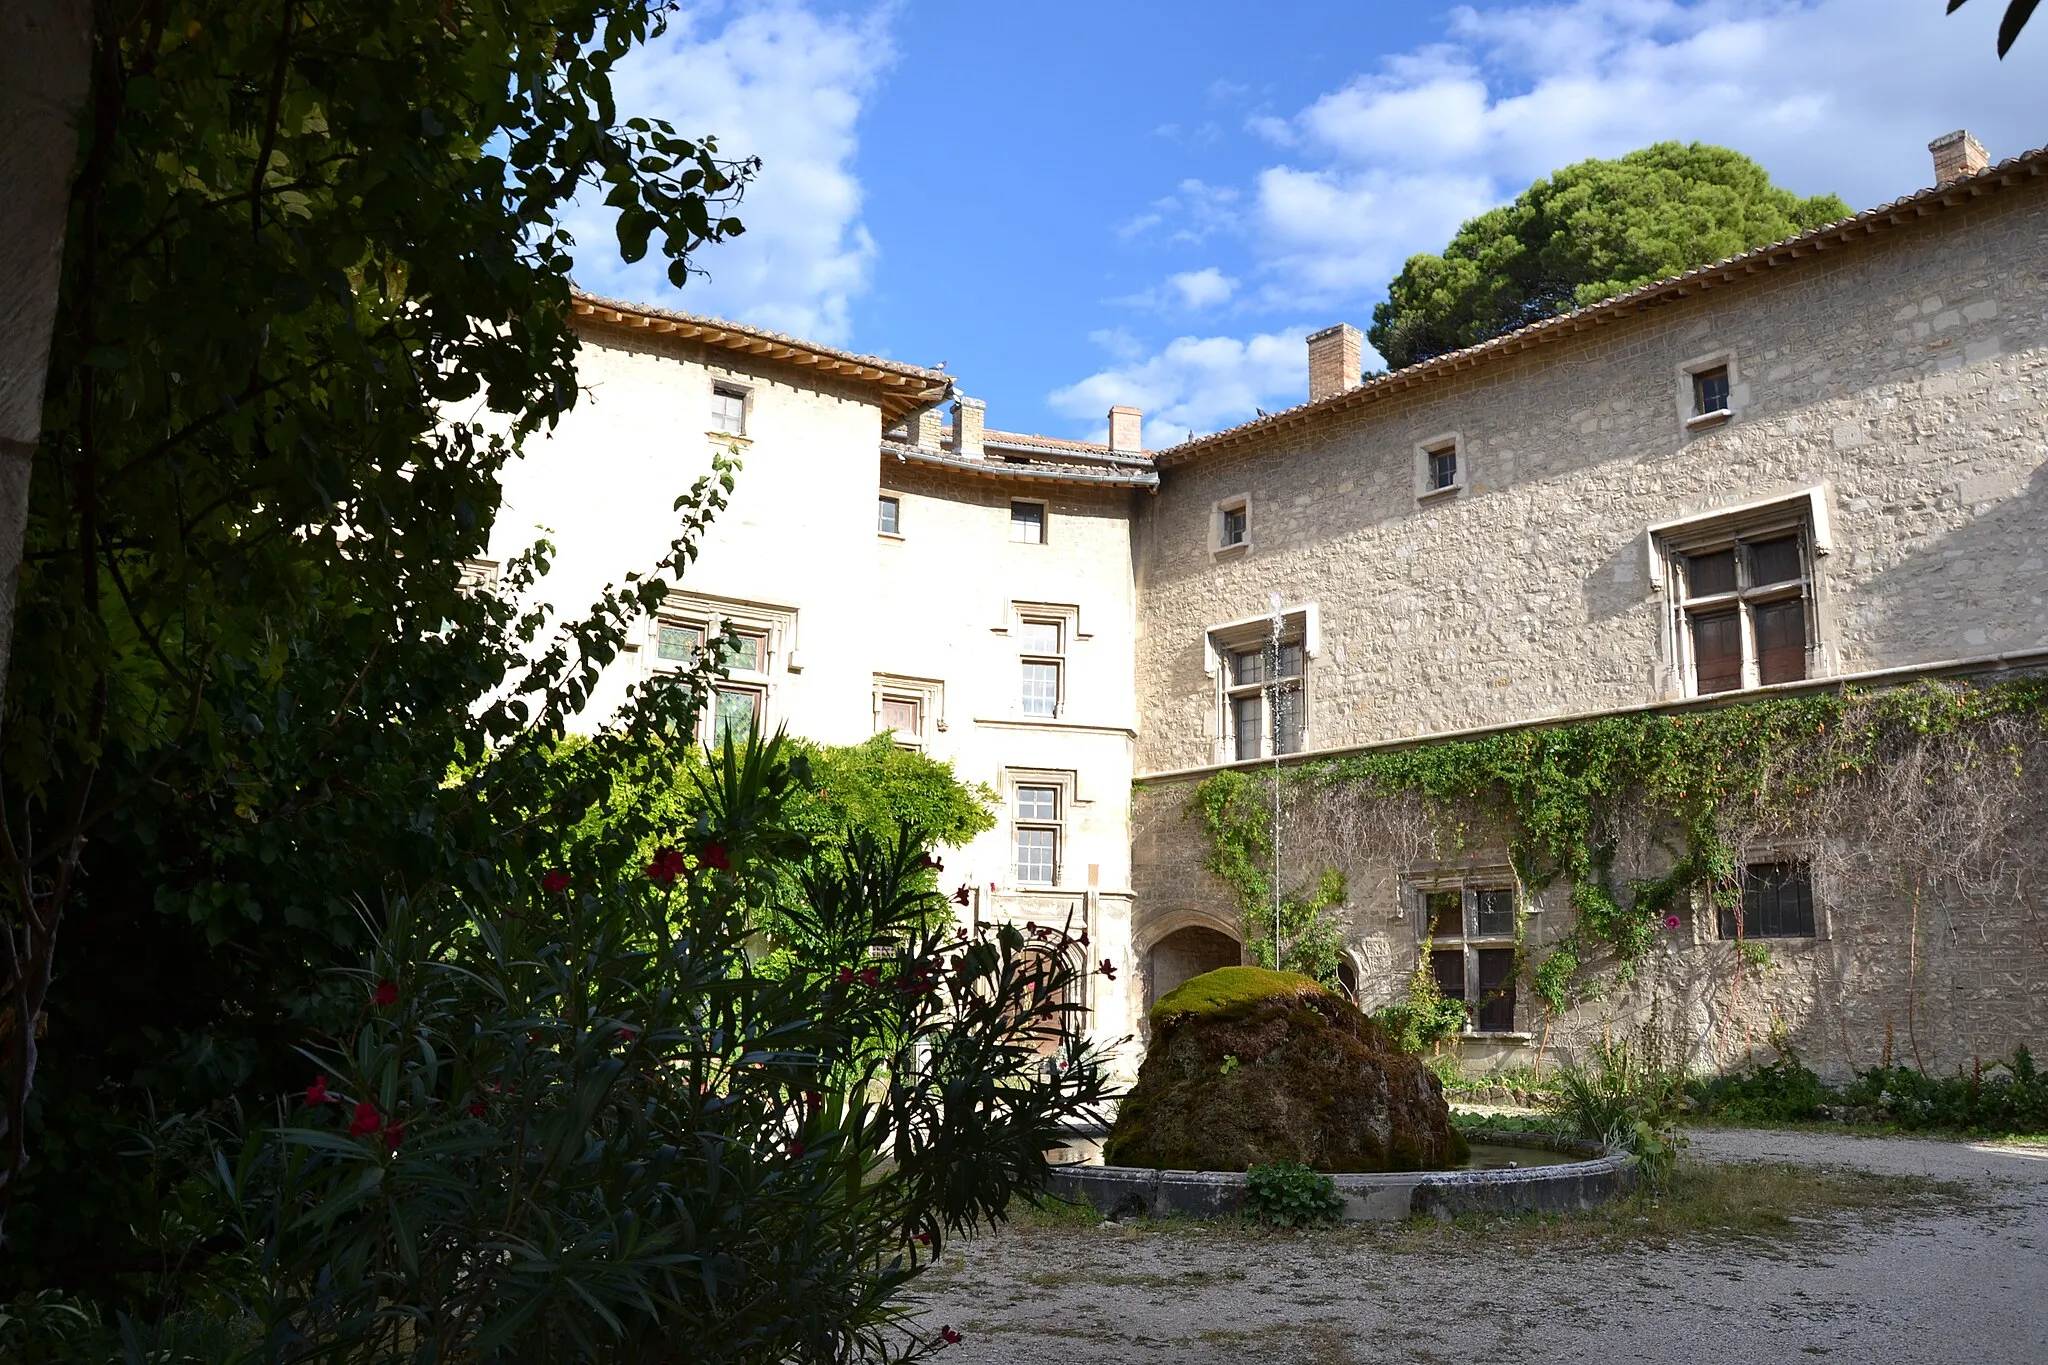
{"points": [[1184, 954]]}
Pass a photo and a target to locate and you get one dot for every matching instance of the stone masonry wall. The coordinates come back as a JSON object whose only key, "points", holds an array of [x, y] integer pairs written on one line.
{"points": [[1908, 375], [1941, 983]]}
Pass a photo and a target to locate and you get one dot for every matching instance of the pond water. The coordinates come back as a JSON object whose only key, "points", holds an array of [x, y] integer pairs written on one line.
{"points": [[1486, 1156]]}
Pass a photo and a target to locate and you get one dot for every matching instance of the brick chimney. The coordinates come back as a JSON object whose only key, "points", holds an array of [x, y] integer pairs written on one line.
{"points": [[1336, 358], [969, 415], [927, 430], [1126, 431], [1956, 155]]}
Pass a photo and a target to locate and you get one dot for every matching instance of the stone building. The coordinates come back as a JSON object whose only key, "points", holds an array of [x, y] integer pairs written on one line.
{"points": [[1818, 463]]}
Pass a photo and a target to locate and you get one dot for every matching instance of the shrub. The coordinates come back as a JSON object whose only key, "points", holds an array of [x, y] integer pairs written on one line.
{"points": [[2004, 1097], [1630, 1098], [580, 1127], [1288, 1194], [1783, 1092]]}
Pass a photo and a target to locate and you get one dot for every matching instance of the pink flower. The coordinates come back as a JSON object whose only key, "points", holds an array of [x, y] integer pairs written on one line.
{"points": [[1108, 969], [871, 977], [714, 855], [477, 1109], [961, 894], [928, 861], [555, 880], [846, 976], [316, 1093], [666, 867], [796, 1151], [923, 1239], [949, 1336], [392, 1135], [366, 1121], [1671, 923], [627, 1035], [387, 994]]}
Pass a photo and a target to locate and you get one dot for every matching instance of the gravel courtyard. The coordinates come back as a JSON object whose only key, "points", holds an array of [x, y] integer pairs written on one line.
{"points": [[1957, 1273]]}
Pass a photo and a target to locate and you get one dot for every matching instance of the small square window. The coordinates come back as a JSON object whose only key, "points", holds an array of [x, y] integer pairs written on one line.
{"points": [[889, 515], [1038, 803], [1777, 902], [1038, 637], [1027, 523], [1232, 531], [1710, 391], [1443, 468], [729, 409], [900, 715], [1496, 914], [742, 654], [675, 643]]}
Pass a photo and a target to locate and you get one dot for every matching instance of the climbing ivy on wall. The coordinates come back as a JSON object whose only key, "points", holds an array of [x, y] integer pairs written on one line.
{"points": [[1555, 795]]}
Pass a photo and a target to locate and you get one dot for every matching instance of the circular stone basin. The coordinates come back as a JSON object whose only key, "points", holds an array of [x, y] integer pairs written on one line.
{"points": [[1508, 1173]]}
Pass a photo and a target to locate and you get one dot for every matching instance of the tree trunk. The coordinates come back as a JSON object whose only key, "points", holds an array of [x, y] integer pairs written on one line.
{"points": [[45, 65]]}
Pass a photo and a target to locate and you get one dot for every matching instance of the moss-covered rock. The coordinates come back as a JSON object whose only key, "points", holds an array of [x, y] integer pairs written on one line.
{"points": [[1248, 1067]]}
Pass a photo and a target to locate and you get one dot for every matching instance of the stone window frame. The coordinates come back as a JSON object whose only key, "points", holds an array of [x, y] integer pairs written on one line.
{"points": [[1800, 851], [1805, 512], [774, 626], [1426, 488], [1220, 642], [723, 387], [1690, 418], [889, 495], [927, 694], [1044, 521], [1218, 510], [1468, 882], [1065, 785]]}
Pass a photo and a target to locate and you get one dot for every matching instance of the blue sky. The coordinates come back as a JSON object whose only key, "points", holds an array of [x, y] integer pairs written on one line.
{"points": [[1074, 205]]}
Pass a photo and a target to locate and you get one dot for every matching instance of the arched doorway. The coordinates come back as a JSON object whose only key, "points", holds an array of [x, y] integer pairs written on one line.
{"points": [[1185, 954]]}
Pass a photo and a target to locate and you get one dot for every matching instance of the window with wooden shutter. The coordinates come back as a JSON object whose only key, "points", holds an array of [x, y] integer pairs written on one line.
{"points": [[1744, 604], [1495, 999]]}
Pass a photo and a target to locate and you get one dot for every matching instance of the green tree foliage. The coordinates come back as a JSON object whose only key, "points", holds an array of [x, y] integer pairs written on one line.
{"points": [[1237, 813], [578, 1126], [2017, 12], [315, 292], [1587, 233]]}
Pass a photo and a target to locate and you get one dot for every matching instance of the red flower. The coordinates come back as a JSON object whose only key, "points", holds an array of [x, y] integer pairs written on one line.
{"points": [[961, 895], [796, 1151], [714, 855], [949, 1336], [666, 867], [927, 860], [814, 1099], [477, 1109], [1108, 969], [393, 1135], [367, 1119], [387, 993], [871, 977], [316, 1093], [556, 880], [923, 1239], [627, 1035], [846, 976], [1672, 922]]}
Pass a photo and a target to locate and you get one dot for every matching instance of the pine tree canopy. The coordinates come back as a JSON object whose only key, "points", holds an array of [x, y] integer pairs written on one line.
{"points": [[1587, 233]]}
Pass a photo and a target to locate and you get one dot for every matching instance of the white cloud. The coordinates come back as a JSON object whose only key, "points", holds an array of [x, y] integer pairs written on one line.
{"points": [[778, 81], [1838, 95], [1195, 384], [1202, 288]]}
